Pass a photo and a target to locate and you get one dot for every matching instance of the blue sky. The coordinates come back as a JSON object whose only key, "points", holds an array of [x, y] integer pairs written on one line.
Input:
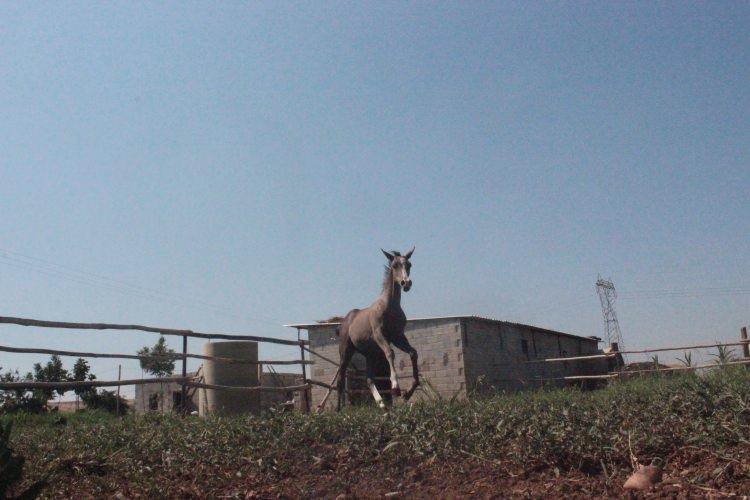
{"points": [[236, 166]]}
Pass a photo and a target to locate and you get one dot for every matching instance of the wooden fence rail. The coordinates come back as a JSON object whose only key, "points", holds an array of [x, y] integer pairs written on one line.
{"points": [[184, 381], [89, 383], [629, 372], [251, 388], [188, 381], [24, 350], [642, 351], [152, 329]]}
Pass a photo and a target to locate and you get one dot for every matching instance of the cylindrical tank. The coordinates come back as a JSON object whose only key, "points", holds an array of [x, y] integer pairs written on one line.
{"points": [[233, 374]]}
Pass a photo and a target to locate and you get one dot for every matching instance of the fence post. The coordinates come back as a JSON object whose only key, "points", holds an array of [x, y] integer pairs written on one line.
{"points": [[745, 346], [305, 396], [183, 389], [117, 401]]}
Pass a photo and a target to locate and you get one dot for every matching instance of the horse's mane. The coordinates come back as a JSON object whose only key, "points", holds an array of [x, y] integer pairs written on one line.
{"points": [[387, 277]]}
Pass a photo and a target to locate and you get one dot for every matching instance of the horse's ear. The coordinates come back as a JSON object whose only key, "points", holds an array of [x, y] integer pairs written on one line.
{"points": [[408, 254], [388, 256]]}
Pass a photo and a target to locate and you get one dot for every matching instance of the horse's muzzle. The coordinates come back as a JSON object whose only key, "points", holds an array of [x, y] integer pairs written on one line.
{"points": [[406, 285]]}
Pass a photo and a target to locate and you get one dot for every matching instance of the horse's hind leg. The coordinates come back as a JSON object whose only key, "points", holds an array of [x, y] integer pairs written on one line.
{"points": [[346, 357]]}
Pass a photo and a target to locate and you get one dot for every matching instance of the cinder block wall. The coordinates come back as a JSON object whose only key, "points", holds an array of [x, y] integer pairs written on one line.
{"points": [[144, 391], [460, 355], [273, 399], [497, 355], [438, 343]]}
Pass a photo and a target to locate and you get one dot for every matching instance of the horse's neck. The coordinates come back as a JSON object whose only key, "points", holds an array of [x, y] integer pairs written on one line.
{"points": [[390, 297]]}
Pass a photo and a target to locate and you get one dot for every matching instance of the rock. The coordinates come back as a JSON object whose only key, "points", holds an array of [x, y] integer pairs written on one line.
{"points": [[644, 478]]}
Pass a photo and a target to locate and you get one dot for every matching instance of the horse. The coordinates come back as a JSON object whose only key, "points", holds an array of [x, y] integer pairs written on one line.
{"points": [[372, 331]]}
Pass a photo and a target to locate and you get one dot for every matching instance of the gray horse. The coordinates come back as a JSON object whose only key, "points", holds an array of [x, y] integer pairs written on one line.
{"points": [[371, 332]]}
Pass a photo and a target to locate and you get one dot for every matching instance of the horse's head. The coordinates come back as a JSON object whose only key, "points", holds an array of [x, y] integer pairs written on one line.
{"points": [[400, 268]]}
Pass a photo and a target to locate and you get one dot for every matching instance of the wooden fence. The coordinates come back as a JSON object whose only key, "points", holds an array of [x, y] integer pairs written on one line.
{"points": [[743, 342], [303, 388], [183, 380]]}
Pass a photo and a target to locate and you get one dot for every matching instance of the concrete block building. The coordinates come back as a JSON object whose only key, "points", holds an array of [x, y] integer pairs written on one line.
{"points": [[463, 355], [163, 398]]}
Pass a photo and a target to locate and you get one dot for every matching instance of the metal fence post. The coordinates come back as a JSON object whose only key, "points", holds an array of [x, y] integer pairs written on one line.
{"points": [[745, 346]]}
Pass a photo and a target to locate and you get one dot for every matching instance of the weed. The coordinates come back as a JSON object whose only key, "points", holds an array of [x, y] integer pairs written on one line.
{"points": [[565, 429]]}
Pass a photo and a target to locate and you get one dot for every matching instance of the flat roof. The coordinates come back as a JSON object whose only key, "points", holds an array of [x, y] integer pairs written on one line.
{"points": [[313, 326]]}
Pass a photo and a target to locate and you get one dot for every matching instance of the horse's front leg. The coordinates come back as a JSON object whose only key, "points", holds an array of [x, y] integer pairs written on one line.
{"points": [[385, 346], [371, 384], [403, 344]]}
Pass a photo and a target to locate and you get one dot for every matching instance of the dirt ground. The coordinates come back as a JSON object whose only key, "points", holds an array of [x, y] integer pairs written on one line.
{"points": [[691, 473]]}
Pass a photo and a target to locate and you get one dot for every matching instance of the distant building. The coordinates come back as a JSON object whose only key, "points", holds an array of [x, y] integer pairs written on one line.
{"points": [[461, 355], [65, 406], [73, 406], [166, 398]]}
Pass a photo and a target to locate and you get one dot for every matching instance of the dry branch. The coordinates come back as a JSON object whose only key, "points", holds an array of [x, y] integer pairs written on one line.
{"points": [[319, 383], [629, 372], [88, 383], [642, 351], [255, 388], [682, 368], [324, 358], [162, 331], [24, 350]]}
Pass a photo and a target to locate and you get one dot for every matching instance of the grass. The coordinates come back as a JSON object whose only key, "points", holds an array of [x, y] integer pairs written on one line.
{"points": [[563, 429]]}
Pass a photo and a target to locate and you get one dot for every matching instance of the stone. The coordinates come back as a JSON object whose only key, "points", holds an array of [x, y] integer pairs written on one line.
{"points": [[644, 478]]}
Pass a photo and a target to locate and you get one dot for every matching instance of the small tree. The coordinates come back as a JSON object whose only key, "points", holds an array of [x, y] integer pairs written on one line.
{"points": [[18, 399], [82, 372], [53, 371], [158, 361]]}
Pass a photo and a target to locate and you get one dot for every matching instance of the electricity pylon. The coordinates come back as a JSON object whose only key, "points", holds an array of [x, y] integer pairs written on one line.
{"points": [[607, 296]]}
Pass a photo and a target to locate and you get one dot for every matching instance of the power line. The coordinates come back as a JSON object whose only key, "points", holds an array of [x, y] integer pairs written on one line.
{"points": [[50, 269]]}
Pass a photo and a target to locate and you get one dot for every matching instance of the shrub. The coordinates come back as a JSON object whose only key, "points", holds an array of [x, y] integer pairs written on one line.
{"points": [[104, 400]]}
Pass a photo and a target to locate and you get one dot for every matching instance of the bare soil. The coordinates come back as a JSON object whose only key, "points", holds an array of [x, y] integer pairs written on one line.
{"points": [[689, 473]]}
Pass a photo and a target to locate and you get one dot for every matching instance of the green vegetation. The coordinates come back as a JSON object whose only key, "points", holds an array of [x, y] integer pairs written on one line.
{"points": [[35, 401], [597, 432]]}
